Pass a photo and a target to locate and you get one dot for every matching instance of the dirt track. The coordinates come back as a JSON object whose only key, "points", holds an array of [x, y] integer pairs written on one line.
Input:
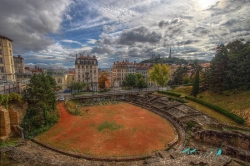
{"points": [[142, 131]]}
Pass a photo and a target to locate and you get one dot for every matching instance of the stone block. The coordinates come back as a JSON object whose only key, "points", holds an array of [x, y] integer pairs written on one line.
{"points": [[4, 122]]}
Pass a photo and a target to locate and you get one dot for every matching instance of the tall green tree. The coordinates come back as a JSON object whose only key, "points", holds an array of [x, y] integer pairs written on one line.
{"points": [[140, 81], [160, 74], [40, 91], [196, 84], [129, 80], [218, 69], [41, 112], [230, 67], [179, 75], [77, 86]]}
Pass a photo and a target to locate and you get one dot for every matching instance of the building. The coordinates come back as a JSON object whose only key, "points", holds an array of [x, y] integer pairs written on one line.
{"points": [[120, 70], [19, 64], [7, 71], [143, 69], [86, 70]]}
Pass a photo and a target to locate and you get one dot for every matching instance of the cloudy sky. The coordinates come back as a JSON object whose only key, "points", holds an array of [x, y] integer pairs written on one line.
{"points": [[51, 32]]}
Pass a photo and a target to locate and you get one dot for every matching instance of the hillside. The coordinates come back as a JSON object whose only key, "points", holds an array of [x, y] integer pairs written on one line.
{"points": [[173, 60], [237, 102]]}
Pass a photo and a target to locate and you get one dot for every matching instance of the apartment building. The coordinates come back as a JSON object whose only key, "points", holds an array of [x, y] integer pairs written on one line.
{"points": [[86, 70], [120, 70], [143, 69], [7, 71], [19, 64]]}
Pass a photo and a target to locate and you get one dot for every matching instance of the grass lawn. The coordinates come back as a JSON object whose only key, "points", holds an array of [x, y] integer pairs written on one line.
{"points": [[237, 102]]}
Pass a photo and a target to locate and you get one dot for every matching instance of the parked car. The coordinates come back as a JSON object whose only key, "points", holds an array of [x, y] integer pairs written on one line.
{"points": [[67, 91], [61, 98]]}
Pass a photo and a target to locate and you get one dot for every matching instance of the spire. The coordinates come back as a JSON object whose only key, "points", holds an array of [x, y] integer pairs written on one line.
{"points": [[170, 54]]}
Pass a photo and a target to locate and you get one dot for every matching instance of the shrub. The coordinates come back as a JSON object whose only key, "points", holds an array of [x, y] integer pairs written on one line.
{"points": [[190, 84], [232, 116], [170, 93]]}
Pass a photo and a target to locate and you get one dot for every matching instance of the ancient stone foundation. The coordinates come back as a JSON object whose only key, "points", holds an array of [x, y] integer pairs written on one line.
{"points": [[4, 122], [10, 119]]}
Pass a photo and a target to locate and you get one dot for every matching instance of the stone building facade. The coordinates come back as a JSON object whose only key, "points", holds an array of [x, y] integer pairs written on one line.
{"points": [[86, 70], [120, 70], [7, 71], [19, 64]]}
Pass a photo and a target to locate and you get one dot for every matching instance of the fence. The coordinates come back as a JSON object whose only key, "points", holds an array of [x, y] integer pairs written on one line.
{"points": [[7, 88]]}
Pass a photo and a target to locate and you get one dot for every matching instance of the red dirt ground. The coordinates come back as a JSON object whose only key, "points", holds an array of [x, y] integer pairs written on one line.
{"points": [[142, 133]]}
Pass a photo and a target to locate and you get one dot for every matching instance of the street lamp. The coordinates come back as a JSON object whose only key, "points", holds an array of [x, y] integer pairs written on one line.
{"points": [[92, 86]]}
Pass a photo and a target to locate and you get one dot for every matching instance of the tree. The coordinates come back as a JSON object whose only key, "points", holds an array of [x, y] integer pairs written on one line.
{"points": [[218, 69], [129, 81], [160, 74], [195, 89], [179, 75], [40, 91], [101, 81], [140, 81], [41, 99], [76, 87], [230, 67]]}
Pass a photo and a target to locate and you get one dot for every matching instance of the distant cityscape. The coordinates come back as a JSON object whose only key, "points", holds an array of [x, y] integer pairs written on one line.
{"points": [[15, 76]]}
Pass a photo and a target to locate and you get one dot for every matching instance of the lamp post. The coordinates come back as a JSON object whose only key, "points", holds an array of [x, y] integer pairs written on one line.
{"points": [[92, 87]]}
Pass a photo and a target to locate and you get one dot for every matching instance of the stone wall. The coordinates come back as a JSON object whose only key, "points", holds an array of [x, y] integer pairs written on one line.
{"points": [[11, 117], [236, 139], [4, 122], [17, 113]]}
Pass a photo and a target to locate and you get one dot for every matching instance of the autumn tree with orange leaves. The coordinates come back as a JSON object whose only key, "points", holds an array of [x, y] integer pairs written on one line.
{"points": [[102, 79]]}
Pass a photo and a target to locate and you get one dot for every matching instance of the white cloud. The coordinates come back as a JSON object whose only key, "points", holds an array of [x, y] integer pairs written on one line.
{"points": [[71, 41]]}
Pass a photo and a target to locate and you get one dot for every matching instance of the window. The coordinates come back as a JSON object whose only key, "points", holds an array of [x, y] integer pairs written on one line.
{"points": [[1, 60], [9, 44], [1, 70], [10, 52], [59, 80], [1, 52]]}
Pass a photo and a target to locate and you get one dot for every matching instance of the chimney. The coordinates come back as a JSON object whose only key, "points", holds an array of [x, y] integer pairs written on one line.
{"points": [[76, 56], [19, 56], [134, 62]]}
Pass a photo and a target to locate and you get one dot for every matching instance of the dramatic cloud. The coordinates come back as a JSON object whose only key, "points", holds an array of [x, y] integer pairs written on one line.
{"points": [[29, 22], [141, 34], [54, 31]]}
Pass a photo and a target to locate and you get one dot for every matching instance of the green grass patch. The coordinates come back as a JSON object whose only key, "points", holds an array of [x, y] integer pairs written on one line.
{"points": [[170, 93], [232, 116], [9, 142], [177, 99], [229, 100], [109, 126]]}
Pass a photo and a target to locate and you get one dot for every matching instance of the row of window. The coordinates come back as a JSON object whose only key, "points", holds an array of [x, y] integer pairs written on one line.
{"points": [[1, 44], [87, 62], [79, 66], [90, 71]]}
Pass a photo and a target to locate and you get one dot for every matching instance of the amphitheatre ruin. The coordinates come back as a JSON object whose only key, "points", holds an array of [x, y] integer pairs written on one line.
{"points": [[144, 129]]}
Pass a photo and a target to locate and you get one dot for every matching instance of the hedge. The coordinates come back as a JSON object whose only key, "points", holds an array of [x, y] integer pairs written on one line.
{"points": [[177, 99], [232, 116], [170, 93], [190, 84]]}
